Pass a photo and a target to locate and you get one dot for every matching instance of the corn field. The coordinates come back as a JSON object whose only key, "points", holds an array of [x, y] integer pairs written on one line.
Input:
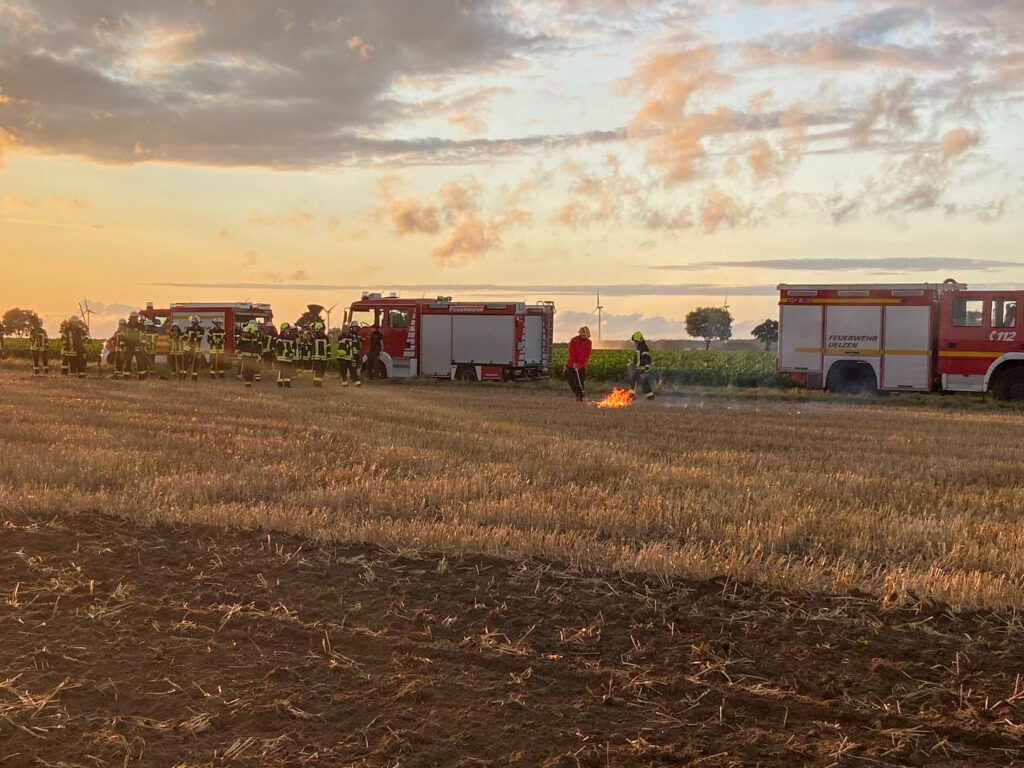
{"points": [[699, 367]]}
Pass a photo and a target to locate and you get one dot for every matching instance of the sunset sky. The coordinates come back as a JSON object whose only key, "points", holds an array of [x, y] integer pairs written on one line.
{"points": [[666, 153]]}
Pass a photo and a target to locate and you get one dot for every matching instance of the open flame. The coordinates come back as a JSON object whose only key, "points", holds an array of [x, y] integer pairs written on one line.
{"points": [[618, 398]]}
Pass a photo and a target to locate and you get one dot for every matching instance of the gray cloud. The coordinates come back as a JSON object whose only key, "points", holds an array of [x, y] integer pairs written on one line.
{"points": [[234, 83], [891, 264]]}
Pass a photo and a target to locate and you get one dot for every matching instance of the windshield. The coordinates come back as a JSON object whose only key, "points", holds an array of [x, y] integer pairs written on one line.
{"points": [[364, 316]]}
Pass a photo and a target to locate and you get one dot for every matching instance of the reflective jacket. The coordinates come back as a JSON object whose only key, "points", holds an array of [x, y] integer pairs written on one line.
{"points": [[349, 346], [250, 344], [217, 337], [642, 359], [176, 342], [321, 346], [38, 340], [194, 337], [286, 346]]}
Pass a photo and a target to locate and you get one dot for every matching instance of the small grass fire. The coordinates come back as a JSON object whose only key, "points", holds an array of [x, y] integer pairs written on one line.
{"points": [[617, 398]]}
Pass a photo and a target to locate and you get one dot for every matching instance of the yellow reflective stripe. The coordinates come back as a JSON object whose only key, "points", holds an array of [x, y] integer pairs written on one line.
{"points": [[956, 353], [864, 300], [844, 351]]}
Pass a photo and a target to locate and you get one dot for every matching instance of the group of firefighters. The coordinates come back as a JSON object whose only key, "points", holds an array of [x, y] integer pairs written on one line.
{"points": [[73, 336], [260, 349], [580, 347]]}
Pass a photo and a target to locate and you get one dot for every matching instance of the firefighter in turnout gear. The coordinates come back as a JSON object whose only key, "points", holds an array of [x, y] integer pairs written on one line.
{"points": [[286, 351], [350, 347], [120, 346], [39, 343], [640, 366], [250, 351], [194, 346], [268, 335], [217, 337], [176, 351], [321, 353], [149, 336], [66, 350], [305, 349], [134, 330], [79, 336]]}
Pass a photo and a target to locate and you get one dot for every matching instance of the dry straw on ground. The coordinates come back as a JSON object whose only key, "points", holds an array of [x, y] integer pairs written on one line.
{"points": [[902, 504]]}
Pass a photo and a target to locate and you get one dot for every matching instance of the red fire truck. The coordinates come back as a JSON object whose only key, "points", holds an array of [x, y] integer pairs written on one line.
{"points": [[469, 341], [902, 337], [231, 314]]}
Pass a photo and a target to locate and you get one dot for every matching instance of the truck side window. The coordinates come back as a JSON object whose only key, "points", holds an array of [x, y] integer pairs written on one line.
{"points": [[398, 318], [1004, 313], [968, 313]]}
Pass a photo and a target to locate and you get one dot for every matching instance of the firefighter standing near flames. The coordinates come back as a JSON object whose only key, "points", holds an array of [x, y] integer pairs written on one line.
{"points": [[576, 366], [286, 351], [321, 353], [350, 347], [217, 337], [176, 351], [250, 351], [39, 343], [640, 366], [194, 346]]}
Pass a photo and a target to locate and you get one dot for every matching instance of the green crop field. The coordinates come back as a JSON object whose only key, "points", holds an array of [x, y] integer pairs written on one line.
{"points": [[706, 368]]}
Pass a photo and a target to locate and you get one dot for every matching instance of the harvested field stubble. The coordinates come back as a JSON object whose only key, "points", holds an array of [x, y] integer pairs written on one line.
{"points": [[198, 647], [904, 505]]}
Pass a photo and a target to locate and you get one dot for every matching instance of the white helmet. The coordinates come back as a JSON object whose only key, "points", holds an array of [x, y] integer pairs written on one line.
{"points": [[194, 319]]}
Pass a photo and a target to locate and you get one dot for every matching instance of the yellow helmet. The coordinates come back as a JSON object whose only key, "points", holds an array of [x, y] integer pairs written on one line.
{"points": [[585, 332], [637, 336]]}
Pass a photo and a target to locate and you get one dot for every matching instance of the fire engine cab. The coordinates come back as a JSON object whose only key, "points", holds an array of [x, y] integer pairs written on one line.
{"points": [[469, 341], [902, 337], [232, 315]]}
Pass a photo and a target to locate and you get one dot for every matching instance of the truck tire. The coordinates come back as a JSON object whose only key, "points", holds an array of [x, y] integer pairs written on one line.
{"points": [[466, 373], [851, 378], [1008, 384], [380, 371]]}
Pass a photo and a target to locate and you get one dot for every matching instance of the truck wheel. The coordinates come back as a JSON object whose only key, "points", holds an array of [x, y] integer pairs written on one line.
{"points": [[466, 373], [1009, 384], [380, 371]]}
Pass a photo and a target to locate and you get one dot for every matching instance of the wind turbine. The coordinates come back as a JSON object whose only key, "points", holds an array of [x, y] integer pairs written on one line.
{"points": [[599, 308], [86, 313], [328, 311]]}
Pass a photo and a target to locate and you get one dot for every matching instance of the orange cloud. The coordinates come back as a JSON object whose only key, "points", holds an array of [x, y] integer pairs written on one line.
{"points": [[17, 201], [470, 239], [7, 144], [360, 46], [957, 142], [719, 209], [761, 159], [296, 219], [73, 203], [410, 218]]}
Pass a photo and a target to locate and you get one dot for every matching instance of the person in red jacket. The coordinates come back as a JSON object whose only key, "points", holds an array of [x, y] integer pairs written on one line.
{"points": [[576, 366]]}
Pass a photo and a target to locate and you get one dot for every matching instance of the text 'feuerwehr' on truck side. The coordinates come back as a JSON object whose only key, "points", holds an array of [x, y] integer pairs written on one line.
{"points": [[902, 338], [469, 341]]}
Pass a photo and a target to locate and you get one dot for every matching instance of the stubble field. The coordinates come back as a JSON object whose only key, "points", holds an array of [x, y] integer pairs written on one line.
{"points": [[482, 575]]}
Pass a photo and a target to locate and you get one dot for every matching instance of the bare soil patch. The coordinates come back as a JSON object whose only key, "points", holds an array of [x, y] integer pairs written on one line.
{"points": [[124, 644]]}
